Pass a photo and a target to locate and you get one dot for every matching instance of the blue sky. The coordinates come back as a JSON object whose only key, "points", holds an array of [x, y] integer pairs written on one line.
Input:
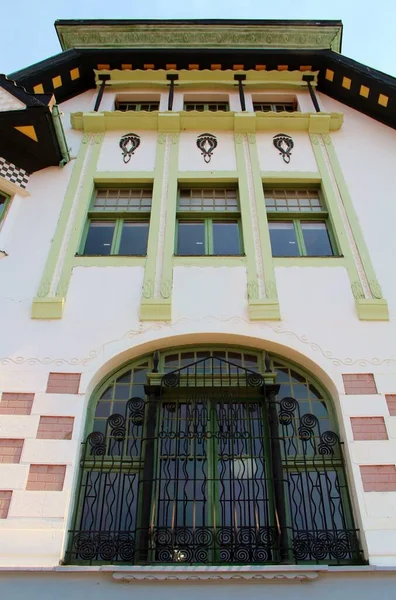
{"points": [[28, 34]]}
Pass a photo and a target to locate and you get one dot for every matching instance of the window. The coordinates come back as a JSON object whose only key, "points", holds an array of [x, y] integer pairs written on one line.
{"points": [[298, 223], [118, 222], [208, 222], [274, 106], [212, 467], [3, 204], [201, 106], [137, 106]]}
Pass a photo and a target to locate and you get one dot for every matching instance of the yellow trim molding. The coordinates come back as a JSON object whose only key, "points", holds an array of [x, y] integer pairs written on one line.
{"points": [[243, 122]]}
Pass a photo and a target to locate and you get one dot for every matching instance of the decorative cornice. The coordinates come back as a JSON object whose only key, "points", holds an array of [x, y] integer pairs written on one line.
{"points": [[213, 574], [192, 35], [91, 122]]}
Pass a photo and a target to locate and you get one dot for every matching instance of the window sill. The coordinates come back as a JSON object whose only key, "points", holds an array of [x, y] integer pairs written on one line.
{"points": [[309, 261], [109, 261], [210, 261]]}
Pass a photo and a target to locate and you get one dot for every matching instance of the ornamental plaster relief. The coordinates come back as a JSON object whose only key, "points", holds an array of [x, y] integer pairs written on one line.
{"points": [[203, 36], [263, 333]]}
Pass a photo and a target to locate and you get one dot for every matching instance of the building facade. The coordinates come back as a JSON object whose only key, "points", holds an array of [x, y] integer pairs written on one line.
{"points": [[197, 364]]}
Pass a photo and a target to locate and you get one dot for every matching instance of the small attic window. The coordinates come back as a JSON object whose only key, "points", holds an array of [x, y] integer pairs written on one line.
{"points": [[275, 103], [126, 106], [275, 107]]}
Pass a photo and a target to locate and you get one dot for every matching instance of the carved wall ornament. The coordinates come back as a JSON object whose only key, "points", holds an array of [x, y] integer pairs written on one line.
{"points": [[128, 144], [207, 142], [284, 144], [236, 325]]}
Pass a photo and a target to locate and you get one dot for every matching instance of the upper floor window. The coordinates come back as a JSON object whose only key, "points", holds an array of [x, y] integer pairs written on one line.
{"points": [[118, 222], [298, 223], [208, 222], [136, 106], [3, 204], [274, 106], [201, 106]]}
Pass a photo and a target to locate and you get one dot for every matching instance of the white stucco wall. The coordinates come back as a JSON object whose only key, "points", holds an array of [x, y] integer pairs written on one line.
{"points": [[100, 329]]}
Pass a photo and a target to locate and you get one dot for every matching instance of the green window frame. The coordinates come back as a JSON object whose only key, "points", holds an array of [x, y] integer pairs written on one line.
{"points": [[275, 107], [202, 106], [125, 106], [208, 209], [302, 215], [4, 202], [123, 215], [168, 479]]}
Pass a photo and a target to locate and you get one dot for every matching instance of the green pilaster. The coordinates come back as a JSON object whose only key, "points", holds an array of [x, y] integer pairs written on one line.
{"points": [[156, 302], [261, 285], [365, 288], [48, 304]]}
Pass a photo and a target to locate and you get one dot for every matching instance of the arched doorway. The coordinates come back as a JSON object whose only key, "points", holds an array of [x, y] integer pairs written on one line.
{"points": [[212, 455]]}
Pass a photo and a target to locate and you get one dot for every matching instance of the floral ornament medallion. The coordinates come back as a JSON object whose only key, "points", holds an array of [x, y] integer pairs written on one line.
{"points": [[128, 144], [284, 144], [207, 142]]}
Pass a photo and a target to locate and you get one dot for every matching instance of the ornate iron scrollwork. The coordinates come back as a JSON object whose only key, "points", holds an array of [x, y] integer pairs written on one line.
{"points": [[207, 142], [128, 144], [284, 144], [213, 411]]}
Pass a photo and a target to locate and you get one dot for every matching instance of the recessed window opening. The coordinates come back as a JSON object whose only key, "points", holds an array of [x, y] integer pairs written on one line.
{"points": [[186, 470], [137, 103], [203, 102], [118, 222], [208, 222], [274, 103], [298, 223]]}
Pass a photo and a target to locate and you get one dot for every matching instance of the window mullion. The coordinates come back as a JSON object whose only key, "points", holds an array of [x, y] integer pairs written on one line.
{"points": [[117, 236], [300, 238], [209, 236]]}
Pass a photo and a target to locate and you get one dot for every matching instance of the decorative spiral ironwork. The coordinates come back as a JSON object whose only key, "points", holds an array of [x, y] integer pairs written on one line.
{"points": [[167, 456], [170, 380], [325, 545], [183, 537], [246, 536], [288, 404], [224, 536], [288, 407], [135, 409], [116, 425], [306, 429], [328, 440], [254, 380], [162, 536], [96, 440]]}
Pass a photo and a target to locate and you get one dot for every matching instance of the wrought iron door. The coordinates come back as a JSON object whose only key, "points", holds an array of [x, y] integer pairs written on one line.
{"points": [[211, 491], [212, 468]]}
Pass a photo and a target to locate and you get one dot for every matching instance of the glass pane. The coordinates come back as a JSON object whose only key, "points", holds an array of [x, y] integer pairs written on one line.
{"points": [[99, 238], [226, 238], [283, 239], [191, 238], [316, 238], [134, 238], [2, 204]]}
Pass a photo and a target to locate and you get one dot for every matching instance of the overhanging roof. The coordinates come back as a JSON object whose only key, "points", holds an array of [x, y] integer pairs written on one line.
{"points": [[179, 44], [207, 33], [27, 133]]}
